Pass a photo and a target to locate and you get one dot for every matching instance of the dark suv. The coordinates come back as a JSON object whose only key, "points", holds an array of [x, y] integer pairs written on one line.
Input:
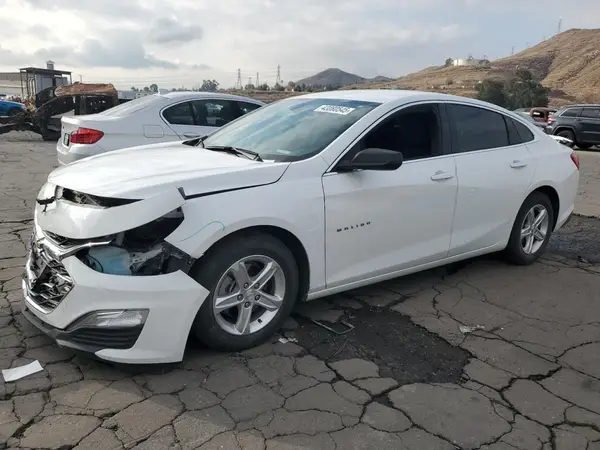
{"points": [[580, 123]]}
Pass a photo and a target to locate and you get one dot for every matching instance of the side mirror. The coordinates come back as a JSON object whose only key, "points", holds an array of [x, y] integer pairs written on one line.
{"points": [[372, 159]]}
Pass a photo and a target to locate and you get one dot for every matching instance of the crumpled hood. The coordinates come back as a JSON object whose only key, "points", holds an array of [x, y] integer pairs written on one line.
{"points": [[141, 172]]}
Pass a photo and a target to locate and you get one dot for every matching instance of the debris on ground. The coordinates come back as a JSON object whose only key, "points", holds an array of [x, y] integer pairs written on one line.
{"points": [[21, 372], [465, 329]]}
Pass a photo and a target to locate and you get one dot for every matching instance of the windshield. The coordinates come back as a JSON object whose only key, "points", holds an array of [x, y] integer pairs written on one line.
{"points": [[291, 130], [127, 108]]}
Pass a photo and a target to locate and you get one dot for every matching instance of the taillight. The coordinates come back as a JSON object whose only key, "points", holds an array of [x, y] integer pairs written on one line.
{"points": [[86, 136], [575, 159]]}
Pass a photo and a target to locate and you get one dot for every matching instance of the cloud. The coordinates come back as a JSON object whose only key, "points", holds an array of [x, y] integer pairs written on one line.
{"points": [[121, 48], [176, 40], [169, 30]]}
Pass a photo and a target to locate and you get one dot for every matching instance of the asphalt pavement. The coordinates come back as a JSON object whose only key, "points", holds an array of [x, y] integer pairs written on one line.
{"points": [[476, 355]]}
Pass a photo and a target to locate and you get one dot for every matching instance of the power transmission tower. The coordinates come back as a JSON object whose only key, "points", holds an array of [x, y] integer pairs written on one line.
{"points": [[559, 25], [278, 79], [238, 83], [249, 80], [257, 79]]}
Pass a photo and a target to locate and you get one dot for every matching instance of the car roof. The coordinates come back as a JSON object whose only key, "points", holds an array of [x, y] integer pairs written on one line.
{"points": [[183, 95], [587, 105], [398, 96]]}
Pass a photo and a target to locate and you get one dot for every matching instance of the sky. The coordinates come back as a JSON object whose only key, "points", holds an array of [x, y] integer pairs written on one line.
{"points": [[179, 43]]}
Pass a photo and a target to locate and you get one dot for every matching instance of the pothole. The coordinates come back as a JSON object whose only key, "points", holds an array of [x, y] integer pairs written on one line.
{"points": [[402, 350]]}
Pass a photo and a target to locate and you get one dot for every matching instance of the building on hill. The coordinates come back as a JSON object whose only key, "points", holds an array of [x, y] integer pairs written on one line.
{"points": [[470, 61]]}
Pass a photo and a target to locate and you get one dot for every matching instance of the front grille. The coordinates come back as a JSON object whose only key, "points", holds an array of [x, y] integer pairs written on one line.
{"points": [[48, 282]]}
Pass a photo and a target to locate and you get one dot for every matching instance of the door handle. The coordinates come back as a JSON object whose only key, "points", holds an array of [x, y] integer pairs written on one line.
{"points": [[516, 164], [441, 176], [190, 135]]}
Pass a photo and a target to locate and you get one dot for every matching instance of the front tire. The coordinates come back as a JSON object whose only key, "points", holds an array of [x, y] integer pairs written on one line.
{"points": [[566, 134], [253, 282], [531, 231]]}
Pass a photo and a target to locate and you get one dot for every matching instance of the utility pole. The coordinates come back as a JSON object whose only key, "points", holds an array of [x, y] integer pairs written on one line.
{"points": [[278, 79], [238, 83], [80, 78], [257, 79], [512, 52]]}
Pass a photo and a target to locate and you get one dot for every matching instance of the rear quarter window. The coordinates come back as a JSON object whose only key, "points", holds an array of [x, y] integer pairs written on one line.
{"points": [[525, 133]]}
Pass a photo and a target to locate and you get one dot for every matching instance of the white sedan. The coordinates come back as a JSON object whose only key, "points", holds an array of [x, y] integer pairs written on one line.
{"points": [[147, 120], [301, 199]]}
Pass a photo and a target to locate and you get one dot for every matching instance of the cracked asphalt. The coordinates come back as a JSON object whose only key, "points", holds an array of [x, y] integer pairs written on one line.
{"points": [[406, 377]]}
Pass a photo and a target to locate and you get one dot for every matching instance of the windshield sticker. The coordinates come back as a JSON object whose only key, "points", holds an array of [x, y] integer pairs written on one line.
{"points": [[335, 109]]}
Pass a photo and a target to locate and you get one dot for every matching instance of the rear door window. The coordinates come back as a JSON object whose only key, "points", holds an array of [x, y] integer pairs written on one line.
{"points": [[591, 113], [476, 128]]}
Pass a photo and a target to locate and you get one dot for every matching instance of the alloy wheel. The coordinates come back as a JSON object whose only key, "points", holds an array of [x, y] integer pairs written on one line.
{"points": [[249, 294], [534, 229]]}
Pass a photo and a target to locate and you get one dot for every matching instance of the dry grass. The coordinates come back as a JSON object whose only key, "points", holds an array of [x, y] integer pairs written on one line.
{"points": [[568, 64]]}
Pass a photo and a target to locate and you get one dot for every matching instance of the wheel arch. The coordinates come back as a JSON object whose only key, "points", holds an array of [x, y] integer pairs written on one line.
{"points": [[289, 239], [565, 128], [552, 194]]}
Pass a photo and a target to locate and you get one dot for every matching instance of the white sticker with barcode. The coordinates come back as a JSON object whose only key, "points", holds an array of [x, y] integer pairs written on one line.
{"points": [[335, 109]]}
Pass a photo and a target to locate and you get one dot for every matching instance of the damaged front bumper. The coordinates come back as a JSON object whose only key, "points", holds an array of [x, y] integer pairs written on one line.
{"points": [[119, 316]]}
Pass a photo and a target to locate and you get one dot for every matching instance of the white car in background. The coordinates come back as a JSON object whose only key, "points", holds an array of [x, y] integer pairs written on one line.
{"points": [[304, 198], [155, 118]]}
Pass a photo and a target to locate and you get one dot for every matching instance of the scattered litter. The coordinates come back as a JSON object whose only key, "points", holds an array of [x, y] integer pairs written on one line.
{"points": [[464, 329], [286, 340], [349, 326], [21, 372]]}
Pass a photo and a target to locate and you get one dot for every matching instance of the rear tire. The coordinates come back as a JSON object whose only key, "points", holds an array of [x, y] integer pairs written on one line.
{"points": [[531, 231], [223, 271]]}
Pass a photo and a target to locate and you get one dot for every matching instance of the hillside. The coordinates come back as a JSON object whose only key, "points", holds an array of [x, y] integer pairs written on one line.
{"points": [[568, 64], [331, 77], [338, 77]]}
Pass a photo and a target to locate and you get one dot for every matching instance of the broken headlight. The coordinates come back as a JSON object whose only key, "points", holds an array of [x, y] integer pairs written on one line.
{"points": [[141, 251]]}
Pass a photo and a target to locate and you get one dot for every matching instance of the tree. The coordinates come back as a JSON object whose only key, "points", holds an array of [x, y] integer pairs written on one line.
{"points": [[491, 91], [449, 62], [519, 91], [278, 87], [291, 85], [154, 87], [523, 91], [249, 87], [134, 89], [209, 85], [263, 87], [146, 89]]}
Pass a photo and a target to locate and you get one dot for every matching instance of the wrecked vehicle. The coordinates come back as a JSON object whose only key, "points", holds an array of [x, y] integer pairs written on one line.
{"points": [[219, 236], [51, 104]]}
